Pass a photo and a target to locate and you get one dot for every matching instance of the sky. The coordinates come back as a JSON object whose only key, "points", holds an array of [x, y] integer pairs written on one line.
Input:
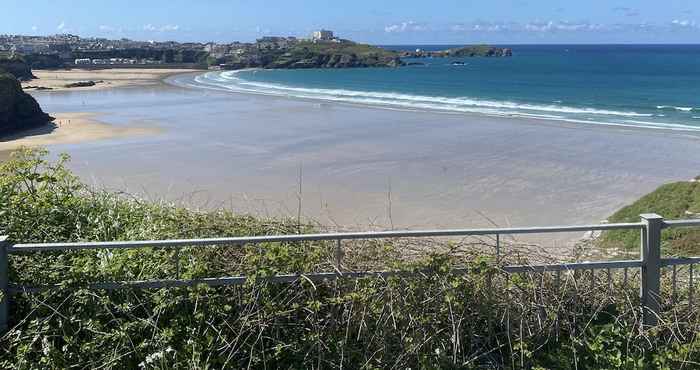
{"points": [[383, 22]]}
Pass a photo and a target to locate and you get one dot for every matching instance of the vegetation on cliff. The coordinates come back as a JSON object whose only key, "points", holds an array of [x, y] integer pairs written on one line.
{"points": [[307, 54], [436, 319], [18, 110]]}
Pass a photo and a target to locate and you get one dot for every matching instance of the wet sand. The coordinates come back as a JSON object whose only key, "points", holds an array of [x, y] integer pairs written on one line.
{"points": [[56, 80], [70, 128], [360, 167]]}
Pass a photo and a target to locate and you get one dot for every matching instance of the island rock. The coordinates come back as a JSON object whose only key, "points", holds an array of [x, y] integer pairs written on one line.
{"points": [[462, 52]]}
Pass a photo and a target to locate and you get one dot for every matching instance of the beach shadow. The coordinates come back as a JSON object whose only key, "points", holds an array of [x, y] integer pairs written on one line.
{"points": [[44, 129]]}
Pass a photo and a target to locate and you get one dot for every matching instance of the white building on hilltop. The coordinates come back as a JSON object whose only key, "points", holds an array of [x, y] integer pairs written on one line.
{"points": [[322, 35]]}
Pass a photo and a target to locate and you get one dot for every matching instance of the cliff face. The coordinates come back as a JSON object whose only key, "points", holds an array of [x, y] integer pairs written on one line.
{"points": [[318, 55], [313, 60], [18, 110], [16, 67]]}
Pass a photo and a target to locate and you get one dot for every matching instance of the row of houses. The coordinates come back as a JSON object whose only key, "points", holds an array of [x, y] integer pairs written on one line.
{"points": [[115, 61]]}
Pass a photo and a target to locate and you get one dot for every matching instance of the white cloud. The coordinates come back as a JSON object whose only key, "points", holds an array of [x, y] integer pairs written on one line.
{"points": [[484, 27], [166, 28], [563, 26], [61, 26], [534, 27], [34, 28], [405, 27], [684, 23], [106, 28]]}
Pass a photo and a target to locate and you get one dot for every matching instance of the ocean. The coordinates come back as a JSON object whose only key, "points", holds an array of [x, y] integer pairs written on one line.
{"points": [[652, 86]]}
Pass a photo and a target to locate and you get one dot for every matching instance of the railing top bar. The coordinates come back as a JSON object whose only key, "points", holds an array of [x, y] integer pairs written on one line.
{"points": [[316, 237], [574, 266], [665, 262], [682, 223]]}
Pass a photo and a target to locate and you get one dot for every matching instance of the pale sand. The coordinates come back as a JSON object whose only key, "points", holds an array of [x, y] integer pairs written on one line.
{"points": [[70, 128], [58, 79]]}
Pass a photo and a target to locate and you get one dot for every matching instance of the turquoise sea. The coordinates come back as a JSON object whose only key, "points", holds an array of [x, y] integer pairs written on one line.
{"points": [[655, 86]]}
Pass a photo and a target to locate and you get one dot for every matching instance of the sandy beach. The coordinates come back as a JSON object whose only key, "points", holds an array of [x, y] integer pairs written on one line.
{"points": [[364, 167], [79, 127], [70, 128], [56, 80]]}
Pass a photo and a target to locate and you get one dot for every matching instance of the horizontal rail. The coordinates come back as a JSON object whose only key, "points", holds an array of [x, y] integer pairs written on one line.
{"points": [[665, 262], [315, 237], [315, 277], [682, 223], [574, 266]]}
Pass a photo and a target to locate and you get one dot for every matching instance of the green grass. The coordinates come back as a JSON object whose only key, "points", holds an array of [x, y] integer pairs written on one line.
{"points": [[679, 200]]}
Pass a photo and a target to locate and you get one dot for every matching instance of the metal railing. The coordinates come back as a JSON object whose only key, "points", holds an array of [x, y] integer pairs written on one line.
{"points": [[650, 262]]}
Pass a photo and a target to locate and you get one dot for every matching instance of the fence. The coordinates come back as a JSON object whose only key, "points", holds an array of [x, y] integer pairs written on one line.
{"points": [[650, 262]]}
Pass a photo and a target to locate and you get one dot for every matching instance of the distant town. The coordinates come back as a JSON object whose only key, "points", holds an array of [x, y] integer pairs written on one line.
{"points": [[321, 49], [66, 49]]}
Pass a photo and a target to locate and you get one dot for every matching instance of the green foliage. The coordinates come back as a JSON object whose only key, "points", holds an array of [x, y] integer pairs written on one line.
{"points": [[677, 200], [441, 319]]}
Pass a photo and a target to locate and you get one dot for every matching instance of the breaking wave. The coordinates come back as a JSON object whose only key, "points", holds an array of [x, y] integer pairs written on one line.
{"points": [[233, 81]]}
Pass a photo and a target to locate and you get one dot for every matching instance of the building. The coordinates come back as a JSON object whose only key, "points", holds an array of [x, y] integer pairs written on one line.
{"points": [[322, 35]]}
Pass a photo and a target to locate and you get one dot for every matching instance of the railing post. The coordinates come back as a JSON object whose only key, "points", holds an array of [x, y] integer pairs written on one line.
{"points": [[338, 255], [651, 268], [4, 284]]}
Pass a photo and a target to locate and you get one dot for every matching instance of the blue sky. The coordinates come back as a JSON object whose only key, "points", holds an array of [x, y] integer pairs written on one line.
{"points": [[372, 21]]}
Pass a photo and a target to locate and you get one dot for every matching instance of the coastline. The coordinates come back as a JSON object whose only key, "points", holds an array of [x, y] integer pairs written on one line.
{"points": [[80, 127], [56, 80]]}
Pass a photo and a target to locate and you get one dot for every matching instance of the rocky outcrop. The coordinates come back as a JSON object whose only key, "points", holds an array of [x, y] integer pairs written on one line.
{"points": [[18, 110], [82, 84], [334, 61], [17, 67], [463, 52], [306, 55]]}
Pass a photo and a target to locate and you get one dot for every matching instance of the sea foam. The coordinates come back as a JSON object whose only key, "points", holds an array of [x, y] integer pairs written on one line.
{"points": [[233, 81]]}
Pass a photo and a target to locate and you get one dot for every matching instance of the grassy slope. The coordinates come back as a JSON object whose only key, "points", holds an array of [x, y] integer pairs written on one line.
{"points": [[672, 201]]}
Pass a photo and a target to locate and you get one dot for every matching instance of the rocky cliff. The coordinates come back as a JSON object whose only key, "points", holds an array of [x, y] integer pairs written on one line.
{"points": [[17, 67], [18, 110], [317, 55]]}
